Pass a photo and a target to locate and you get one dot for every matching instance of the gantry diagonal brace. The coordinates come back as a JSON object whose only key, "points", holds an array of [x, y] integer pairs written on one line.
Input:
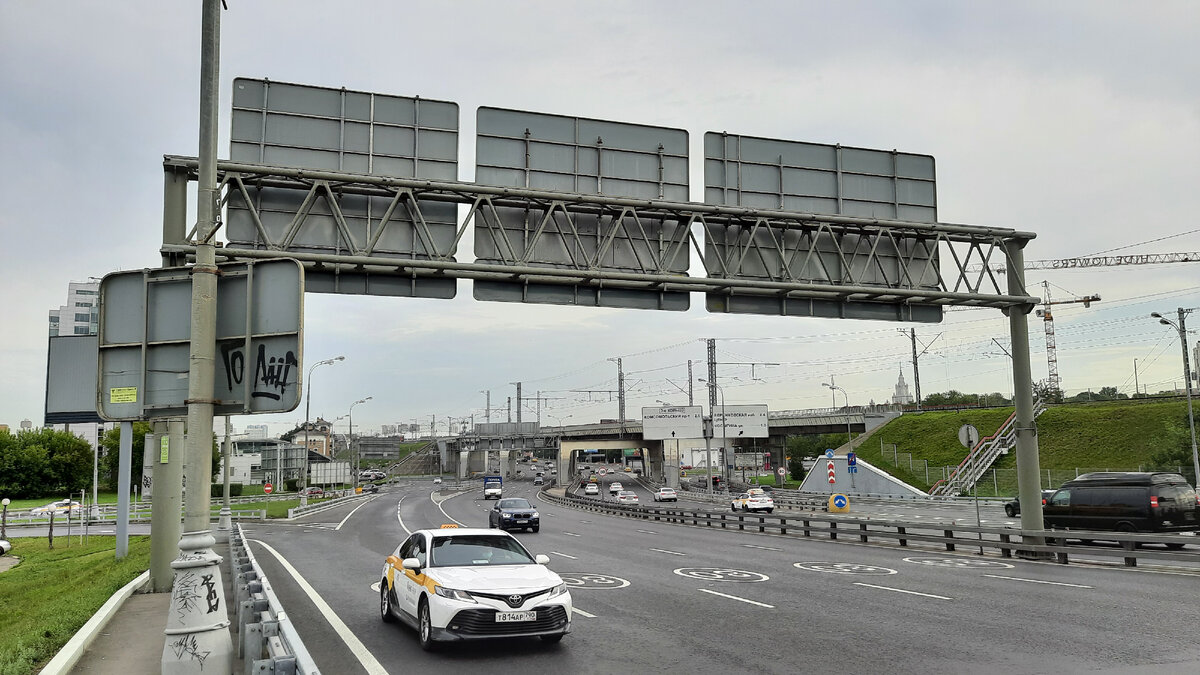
{"points": [[940, 280]]}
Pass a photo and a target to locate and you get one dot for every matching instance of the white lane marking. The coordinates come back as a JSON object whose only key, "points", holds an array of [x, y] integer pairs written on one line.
{"points": [[647, 531], [358, 649], [375, 586], [572, 534], [765, 548], [901, 590], [339, 525], [734, 597], [564, 555], [1038, 581], [580, 612], [406, 530], [439, 505], [663, 550]]}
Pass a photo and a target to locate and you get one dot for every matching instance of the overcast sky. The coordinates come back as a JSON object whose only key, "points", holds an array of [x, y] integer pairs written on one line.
{"points": [[1079, 121]]}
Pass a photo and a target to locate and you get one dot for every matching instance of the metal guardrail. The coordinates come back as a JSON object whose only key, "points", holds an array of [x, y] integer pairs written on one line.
{"points": [[267, 642], [1006, 540]]}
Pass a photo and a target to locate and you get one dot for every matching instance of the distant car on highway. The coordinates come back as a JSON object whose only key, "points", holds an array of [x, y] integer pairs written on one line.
{"points": [[627, 497], [312, 492], [666, 494], [514, 513], [60, 506], [591, 489], [466, 584], [752, 502], [538, 480], [437, 480], [1013, 509], [615, 487], [369, 487]]}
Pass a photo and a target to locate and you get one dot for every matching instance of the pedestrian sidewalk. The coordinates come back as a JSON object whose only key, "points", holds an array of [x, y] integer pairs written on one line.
{"points": [[132, 641]]}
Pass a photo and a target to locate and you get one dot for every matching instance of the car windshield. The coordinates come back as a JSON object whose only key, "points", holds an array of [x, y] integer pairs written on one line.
{"points": [[478, 550], [514, 504]]}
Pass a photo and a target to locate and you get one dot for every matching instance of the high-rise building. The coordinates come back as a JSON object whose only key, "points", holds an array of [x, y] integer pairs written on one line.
{"points": [[81, 314], [901, 395]]}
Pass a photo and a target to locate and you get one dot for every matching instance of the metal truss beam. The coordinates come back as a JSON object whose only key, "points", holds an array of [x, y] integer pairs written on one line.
{"points": [[929, 263]]}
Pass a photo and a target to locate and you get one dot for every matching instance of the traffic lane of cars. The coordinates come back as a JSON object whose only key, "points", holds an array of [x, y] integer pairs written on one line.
{"points": [[616, 546]]}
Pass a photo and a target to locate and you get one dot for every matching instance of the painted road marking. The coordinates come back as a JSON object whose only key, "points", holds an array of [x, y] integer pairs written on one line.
{"points": [[339, 525], [901, 590], [720, 574], [398, 518], [765, 548], [590, 580], [1038, 581], [358, 649], [572, 534], [734, 597], [663, 550], [439, 505], [647, 531], [564, 555], [580, 612]]}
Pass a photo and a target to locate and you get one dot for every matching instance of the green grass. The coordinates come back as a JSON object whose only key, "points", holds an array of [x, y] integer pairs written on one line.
{"points": [[50, 594], [1112, 435]]}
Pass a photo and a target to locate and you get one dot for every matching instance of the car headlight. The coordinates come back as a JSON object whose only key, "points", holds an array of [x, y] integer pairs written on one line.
{"points": [[536, 515], [454, 594], [557, 591], [506, 515]]}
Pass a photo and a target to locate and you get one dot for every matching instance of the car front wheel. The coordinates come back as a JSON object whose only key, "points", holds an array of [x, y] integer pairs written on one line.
{"points": [[385, 603], [424, 626], [1009, 511]]}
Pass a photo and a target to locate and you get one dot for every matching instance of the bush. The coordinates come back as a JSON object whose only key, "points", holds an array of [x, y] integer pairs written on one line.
{"points": [[218, 490]]}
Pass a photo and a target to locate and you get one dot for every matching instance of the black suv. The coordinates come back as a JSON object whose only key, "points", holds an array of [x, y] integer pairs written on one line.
{"points": [[1125, 502], [514, 513]]}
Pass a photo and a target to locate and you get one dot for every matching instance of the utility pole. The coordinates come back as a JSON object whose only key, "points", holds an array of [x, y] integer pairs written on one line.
{"points": [[1136, 389], [487, 412], [510, 410], [518, 401], [1187, 378], [916, 368], [691, 400], [433, 426]]}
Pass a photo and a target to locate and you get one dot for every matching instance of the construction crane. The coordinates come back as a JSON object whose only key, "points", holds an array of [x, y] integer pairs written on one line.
{"points": [[1098, 261], [1052, 378]]}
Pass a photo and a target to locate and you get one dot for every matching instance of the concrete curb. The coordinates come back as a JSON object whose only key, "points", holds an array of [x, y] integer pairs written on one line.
{"points": [[69, 655]]}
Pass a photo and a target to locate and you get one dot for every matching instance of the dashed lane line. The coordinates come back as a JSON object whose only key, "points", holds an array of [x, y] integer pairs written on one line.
{"points": [[1038, 581], [901, 590], [580, 612], [572, 534], [564, 555], [734, 597], [663, 550]]}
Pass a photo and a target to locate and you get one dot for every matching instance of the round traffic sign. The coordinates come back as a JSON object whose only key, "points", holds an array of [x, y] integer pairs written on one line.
{"points": [[829, 453], [781, 471], [839, 501], [267, 488], [968, 435]]}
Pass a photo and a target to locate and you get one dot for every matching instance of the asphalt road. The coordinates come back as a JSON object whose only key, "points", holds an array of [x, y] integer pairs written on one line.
{"points": [[653, 596]]}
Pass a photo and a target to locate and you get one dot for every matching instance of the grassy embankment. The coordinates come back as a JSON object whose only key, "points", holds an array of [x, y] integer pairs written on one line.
{"points": [[1109, 435], [50, 594]]}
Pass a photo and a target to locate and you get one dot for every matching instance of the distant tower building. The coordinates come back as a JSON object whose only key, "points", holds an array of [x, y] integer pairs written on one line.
{"points": [[902, 396], [256, 431], [81, 314]]}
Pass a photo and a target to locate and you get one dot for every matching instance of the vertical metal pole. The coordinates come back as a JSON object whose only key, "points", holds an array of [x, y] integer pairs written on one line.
{"points": [[1028, 474], [487, 414], [201, 627], [510, 410], [124, 460], [621, 395], [916, 369], [691, 399], [518, 403], [1187, 380], [168, 502], [226, 520]]}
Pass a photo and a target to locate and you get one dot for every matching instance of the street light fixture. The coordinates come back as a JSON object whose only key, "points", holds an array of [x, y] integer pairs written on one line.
{"points": [[350, 439], [1181, 327], [4, 519], [723, 439], [307, 409], [834, 387]]}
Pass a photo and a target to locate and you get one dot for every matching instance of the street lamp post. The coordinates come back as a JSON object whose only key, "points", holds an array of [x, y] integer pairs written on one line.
{"points": [[4, 519], [307, 410], [1187, 380], [723, 439], [350, 440], [849, 434]]}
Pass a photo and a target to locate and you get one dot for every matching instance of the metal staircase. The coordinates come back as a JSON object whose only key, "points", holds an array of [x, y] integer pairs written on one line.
{"points": [[981, 458]]}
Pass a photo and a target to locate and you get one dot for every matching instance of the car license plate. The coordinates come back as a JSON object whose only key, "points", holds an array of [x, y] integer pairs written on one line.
{"points": [[522, 522], [503, 617]]}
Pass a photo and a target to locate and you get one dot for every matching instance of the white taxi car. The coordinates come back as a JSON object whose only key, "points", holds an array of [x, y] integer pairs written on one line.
{"points": [[468, 583], [753, 501], [615, 488]]}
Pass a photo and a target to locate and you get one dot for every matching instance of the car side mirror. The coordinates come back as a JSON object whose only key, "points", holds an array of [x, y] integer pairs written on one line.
{"points": [[411, 564], [542, 559]]}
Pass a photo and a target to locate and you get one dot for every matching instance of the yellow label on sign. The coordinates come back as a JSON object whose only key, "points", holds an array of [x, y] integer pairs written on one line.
{"points": [[164, 445], [122, 395]]}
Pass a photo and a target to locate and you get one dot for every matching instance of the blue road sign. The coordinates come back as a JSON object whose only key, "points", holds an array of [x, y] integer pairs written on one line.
{"points": [[851, 459], [829, 453], [839, 501], [852, 469]]}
